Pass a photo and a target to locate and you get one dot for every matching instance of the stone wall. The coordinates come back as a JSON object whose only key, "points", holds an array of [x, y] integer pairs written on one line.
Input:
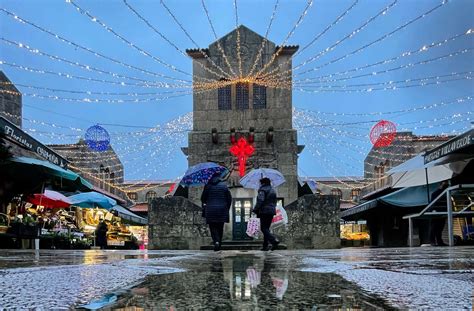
{"points": [[176, 223], [313, 223]]}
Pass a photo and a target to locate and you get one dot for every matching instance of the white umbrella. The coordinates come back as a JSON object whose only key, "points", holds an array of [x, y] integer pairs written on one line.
{"points": [[415, 172], [252, 179]]}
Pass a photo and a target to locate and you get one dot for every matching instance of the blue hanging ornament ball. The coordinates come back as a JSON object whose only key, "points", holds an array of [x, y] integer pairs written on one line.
{"points": [[97, 138]]}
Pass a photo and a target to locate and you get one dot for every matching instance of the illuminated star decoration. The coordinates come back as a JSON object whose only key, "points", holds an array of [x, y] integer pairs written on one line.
{"points": [[242, 150]]}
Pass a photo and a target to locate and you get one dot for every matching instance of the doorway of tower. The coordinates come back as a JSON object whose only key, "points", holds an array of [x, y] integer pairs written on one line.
{"points": [[241, 210]]}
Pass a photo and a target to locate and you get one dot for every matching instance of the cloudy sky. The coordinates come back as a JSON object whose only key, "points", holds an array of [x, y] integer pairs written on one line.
{"points": [[413, 54]]}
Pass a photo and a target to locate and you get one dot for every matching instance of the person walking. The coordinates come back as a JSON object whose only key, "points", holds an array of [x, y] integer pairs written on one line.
{"points": [[101, 234], [265, 209], [216, 201]]}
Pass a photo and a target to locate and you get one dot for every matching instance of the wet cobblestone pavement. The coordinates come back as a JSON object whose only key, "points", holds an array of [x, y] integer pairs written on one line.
{"points": [[360, 278]]}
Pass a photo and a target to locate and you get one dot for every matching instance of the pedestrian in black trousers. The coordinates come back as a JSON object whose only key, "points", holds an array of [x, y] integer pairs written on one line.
{"points": [[216, 201], [265, 208], [437, 224]]}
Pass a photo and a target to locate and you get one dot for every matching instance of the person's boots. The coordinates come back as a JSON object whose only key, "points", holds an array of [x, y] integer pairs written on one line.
{"points": [[275, 245], [217, 246]]}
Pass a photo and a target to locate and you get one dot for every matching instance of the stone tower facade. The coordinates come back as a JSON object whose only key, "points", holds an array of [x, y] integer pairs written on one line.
{"points": [[242, 108], [10, 101]]}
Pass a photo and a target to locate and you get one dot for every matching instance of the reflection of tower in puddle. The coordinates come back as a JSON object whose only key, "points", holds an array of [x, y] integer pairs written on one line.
{"points": [[242, 274]]}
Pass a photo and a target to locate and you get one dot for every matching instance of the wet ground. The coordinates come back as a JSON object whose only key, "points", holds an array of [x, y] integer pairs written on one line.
{"points": [[357, 278]]}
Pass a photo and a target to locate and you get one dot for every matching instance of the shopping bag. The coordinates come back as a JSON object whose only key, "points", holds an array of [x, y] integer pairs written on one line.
{"points": [[253, 227], [280, 218]]}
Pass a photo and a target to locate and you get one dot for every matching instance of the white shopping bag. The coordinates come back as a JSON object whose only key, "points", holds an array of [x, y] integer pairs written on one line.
{"points": [[281, 218], [253, 227]]}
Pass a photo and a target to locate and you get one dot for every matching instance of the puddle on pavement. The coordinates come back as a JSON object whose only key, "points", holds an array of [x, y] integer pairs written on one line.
{"points": [[245, 282]]}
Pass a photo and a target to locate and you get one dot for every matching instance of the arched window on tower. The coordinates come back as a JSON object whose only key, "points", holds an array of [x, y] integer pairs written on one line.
{"points": [[259, 96], [224, 97], [242, 96]]}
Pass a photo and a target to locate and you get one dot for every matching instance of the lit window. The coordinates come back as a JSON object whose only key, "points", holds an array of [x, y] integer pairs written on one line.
{"points": [[355, 194], [224, 97], [259, 96], [242, 96], [132, 196], [337, 192], [150, 195]]}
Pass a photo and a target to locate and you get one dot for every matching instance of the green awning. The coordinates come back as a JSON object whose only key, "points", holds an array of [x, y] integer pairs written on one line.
{"points": [[28, 166], [404, 198], [126, 214]]}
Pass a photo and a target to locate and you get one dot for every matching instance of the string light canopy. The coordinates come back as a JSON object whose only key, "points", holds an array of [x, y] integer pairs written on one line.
{"points": [[97, 138], [383, 133]]}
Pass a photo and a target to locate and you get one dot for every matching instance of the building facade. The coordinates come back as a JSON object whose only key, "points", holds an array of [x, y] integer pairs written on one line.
{"points": [[103, 169], [405, 146], [253, 113], [10, 101]]}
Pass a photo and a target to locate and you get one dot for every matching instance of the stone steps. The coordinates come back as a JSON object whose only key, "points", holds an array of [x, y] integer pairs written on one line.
{"points": [[240, 245]]}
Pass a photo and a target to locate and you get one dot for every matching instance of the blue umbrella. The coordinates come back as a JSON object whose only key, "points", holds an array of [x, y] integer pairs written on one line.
{"points": [[92, 199], [252, 179], [201, 173]]}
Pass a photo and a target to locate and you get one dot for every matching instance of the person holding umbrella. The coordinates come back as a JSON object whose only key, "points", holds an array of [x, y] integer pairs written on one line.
{"points": [[216, 201], [265, 208]]}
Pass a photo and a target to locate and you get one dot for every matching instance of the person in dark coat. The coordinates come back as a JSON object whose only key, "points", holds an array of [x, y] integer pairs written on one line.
{"points": [[101, 234], [437, 224], [216, 201], [265, 208]]}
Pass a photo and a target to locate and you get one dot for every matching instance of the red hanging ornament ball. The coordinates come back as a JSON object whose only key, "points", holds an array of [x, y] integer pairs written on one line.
{"points": [[383, 133]]}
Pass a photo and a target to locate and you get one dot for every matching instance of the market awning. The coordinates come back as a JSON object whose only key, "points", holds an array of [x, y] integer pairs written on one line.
{"points": [[403, 198], [30, 166], [128, 215]]}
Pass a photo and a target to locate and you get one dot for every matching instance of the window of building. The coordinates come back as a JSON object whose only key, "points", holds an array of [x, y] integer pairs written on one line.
{"points": [[224, 97], [150, 195], [259, 96], [132, 196], [355, 194], [337, 192], [242, 96]]}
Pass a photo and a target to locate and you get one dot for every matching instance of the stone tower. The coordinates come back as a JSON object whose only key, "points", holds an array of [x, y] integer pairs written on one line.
{"points": [[10, 101], [242, 108]]}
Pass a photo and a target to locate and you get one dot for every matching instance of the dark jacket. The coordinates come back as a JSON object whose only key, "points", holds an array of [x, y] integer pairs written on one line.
{"points": [[101, 234], [216, 200], [266, 201]]}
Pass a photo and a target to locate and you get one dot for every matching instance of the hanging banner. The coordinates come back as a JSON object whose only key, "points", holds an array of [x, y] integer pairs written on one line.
{"points": [[17, 136]]}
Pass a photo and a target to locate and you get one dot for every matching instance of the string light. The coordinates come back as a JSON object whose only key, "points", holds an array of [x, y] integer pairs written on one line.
{"points": [[172, 44], [380, 39], [348, 36], [275, 55], [86, 67], [405, 66], [194, 42], [310, 84], [423, 49], [390, 87], [97, 54], [460, 100], [334, 23], [71, 76], [265, 39], [219, 46]]}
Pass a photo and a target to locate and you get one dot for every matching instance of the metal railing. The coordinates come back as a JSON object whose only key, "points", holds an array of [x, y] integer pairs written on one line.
{"points": [[430, 212]]}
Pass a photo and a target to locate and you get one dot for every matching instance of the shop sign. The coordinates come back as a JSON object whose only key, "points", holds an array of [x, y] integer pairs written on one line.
{"points": [[451, 146], [16, 135], [115, 243]]}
